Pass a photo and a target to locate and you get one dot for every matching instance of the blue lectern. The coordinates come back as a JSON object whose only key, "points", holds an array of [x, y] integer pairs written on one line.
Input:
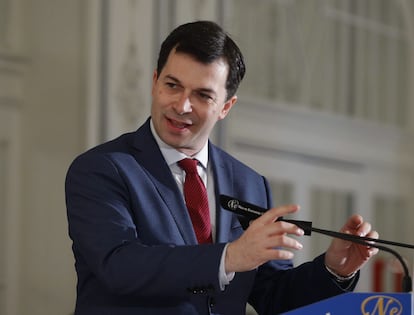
{"points": [[360, 304]]}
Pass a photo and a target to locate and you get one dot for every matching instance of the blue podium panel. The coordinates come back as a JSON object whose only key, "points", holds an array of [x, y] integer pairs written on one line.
{"points": [[360, 304]]}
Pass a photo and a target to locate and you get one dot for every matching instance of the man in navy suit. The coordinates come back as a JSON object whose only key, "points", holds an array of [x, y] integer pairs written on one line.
{"points": [[133, 240]]}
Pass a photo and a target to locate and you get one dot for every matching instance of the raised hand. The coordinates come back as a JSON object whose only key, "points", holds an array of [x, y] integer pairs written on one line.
{"points": [[344, 257], [265, 239]]}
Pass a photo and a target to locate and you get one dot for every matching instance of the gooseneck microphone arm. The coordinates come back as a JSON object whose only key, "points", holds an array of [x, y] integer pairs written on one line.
{"points": [[253, 212]]}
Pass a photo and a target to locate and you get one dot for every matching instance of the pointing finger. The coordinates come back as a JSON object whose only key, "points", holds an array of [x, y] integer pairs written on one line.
{"points": [[273, 214]]}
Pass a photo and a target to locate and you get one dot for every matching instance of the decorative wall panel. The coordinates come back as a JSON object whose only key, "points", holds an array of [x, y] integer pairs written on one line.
{"points": [[3, 215], [347, 57]]}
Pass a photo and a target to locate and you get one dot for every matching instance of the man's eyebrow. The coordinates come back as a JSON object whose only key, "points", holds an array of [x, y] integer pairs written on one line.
{"points": [[206, 90], [201, 89], [171, 77]]}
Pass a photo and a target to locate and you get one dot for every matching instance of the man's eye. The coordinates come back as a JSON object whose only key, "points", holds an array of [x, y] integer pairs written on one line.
{"points": [[204, 96], [171, 85]]}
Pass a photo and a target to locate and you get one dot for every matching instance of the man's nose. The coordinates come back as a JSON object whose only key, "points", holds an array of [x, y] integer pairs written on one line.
{"points": [[183, 104]]}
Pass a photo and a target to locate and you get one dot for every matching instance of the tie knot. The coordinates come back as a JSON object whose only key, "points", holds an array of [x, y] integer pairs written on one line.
{"points": [[188, 165]]}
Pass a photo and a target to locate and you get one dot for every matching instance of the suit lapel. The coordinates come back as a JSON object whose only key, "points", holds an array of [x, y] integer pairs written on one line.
{"points": [[223, 182], [149, 156]]}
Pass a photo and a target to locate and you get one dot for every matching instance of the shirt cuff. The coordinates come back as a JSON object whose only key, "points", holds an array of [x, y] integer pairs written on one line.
{"points": [[224, 278]]}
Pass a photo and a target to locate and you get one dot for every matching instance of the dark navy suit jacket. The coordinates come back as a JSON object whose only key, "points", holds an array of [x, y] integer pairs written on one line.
{"points": [[135, 248]]}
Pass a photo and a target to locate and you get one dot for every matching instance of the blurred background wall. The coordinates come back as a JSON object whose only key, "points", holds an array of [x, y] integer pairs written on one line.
{"points": [[326, 112]]}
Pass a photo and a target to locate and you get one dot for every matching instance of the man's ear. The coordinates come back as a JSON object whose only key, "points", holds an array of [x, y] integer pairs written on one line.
{"points": [[154, 76], [227, 106], [154, 80]]}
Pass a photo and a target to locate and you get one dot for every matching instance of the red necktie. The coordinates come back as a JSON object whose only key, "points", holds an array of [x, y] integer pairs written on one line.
{"points": [[195, 195]]}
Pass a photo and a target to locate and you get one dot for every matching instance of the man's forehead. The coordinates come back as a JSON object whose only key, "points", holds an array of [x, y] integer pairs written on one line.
{"points": [[186, 69], [219, 60]]}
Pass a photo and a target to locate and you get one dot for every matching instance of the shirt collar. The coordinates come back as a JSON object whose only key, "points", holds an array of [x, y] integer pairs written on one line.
{"points": [[172, 156]]}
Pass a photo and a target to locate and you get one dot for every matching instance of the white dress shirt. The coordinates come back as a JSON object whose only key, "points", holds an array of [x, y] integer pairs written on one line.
{"points": [[172, 156]]}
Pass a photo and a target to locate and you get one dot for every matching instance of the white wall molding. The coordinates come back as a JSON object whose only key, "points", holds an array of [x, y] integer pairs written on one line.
{"points": [[12, 69], [299, 130], [9, 208]]}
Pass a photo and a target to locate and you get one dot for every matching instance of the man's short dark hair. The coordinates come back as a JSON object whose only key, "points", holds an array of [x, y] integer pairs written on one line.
{"points": [[206, 41]]}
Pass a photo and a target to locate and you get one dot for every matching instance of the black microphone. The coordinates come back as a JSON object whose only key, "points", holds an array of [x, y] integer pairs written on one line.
{"points": [[252, 212]]}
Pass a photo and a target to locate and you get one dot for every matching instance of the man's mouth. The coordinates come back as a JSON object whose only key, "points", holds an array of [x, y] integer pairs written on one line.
{"points": [[178, 124]]}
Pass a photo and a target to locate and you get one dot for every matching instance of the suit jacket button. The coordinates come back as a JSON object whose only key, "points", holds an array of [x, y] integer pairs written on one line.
{"points": [[192, 290]]}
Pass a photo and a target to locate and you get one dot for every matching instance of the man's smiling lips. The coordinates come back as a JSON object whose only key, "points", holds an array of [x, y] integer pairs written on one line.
{"points": [[178, 124]]}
